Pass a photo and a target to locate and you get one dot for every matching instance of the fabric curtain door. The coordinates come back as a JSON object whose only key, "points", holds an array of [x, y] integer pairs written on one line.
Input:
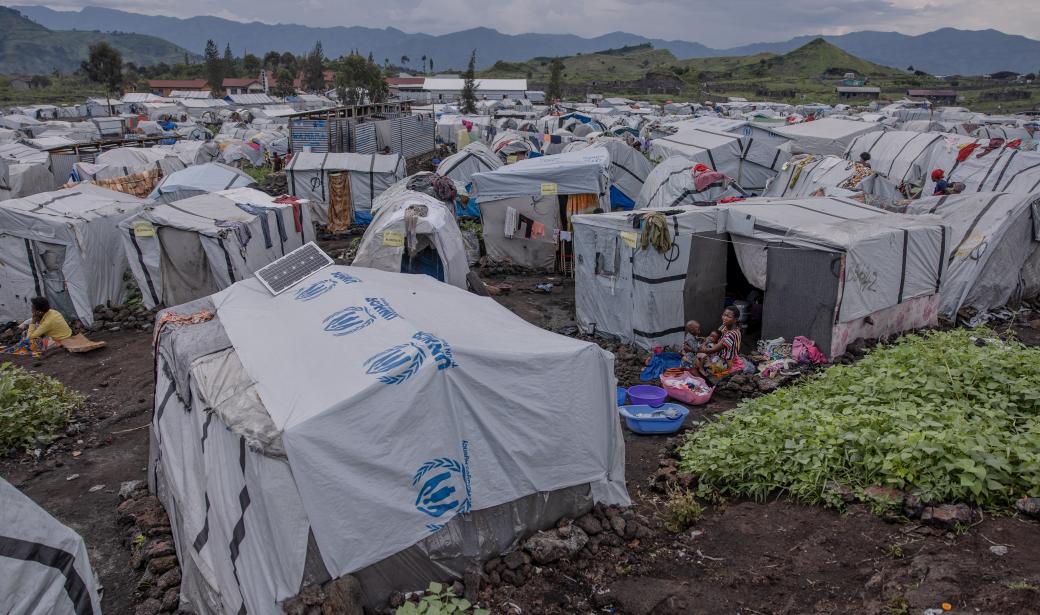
{"points": [[51, 259], [341, 208], [186, 272], [705, 291], [802, 294]]}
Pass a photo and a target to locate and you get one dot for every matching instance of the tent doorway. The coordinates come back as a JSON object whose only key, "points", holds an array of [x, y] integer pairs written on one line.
{"points": [[705, 291], [51, 259], [426, 261], [22, 277], [185, 270], [808, 281]]}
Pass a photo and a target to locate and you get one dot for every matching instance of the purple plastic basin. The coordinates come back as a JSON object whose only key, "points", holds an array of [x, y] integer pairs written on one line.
{"points": [[646, 395]]}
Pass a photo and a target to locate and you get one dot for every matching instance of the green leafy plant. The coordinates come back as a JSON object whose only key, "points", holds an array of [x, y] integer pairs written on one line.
{"points": [[439, 600], [33, 408], [953, 414], [681, 510]]}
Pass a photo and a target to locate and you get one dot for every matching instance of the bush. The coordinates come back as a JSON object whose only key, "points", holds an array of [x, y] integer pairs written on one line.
{"points": [[955, 415], [33, 408], [681, 510], [440, 601]]}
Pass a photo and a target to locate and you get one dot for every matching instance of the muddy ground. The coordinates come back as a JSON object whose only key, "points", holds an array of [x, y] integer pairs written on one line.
{"points": [[741, 557]]}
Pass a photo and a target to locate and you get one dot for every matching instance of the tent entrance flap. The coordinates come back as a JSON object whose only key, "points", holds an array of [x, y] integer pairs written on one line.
{"points": [[426, 261], [803, 287], [51, 259], [22, 281], [705, 291], [185, 270], [341, 206]]}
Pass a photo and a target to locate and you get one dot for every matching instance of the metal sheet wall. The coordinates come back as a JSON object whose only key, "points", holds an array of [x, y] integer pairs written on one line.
{"points": [[309, 133], [365, 138]]}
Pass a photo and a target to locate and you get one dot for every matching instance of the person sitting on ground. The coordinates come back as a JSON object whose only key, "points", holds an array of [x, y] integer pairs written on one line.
{"points": [[942, 187], [45, 329], [864, 159], [719, 359], [693, 341]]}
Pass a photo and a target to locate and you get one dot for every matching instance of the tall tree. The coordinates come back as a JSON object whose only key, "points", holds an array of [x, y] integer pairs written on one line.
{"points": [[283, 85], [405, 60], [431, 64], [215, 67], [313, 69], [104, 67], [358, 80], [555, 80], [289, 61], [251, 64], [272, 59], [469, 89], [229, 62], [424, 63]]}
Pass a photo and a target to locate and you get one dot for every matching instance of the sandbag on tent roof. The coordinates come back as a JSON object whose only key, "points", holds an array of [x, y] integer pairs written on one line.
{"points": [[905, 159], [200, 179], [750, 162], [44, 566], [994, 235], [474, 158], [826, 136], [368, 175], [629, 169], [413, 232], [672, 183], [388, 450], [187, 250], [59, 245], [1003, 169]]}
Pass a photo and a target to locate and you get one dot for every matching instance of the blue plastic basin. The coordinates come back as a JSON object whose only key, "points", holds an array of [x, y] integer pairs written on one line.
{"points": [[656, 422]]}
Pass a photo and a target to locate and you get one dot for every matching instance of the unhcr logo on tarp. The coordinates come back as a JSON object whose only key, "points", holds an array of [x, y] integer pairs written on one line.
{"points": [[321, 287], [443, 487], [397, 364], [382, 308], [350, 320]]}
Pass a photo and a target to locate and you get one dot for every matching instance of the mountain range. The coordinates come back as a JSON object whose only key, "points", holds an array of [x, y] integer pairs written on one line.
{"points": [[27, 48], [945, 52]]}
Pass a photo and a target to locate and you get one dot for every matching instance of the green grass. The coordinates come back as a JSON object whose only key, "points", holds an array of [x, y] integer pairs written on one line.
{"points": [[958, 421]]}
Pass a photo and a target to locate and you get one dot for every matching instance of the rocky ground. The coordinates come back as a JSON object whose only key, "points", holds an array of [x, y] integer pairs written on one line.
{"points": [[728, 557]]}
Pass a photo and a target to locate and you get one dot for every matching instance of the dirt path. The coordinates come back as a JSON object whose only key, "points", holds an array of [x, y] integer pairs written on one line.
{"points": [[742, 557]]}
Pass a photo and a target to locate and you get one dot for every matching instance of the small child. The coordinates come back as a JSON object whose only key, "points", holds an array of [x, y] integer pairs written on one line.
{"points": [[693, 341]]}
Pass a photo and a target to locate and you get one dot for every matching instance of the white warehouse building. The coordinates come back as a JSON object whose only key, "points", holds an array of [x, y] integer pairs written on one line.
{"points": [[446, 90]]}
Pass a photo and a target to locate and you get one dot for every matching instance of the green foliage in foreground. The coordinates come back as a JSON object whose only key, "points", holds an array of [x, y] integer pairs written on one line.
{"points": [[33, 408], [959, 421], [440, 601]]}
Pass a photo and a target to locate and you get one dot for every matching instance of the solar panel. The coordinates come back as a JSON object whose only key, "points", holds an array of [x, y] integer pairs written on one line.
{"points": [[293, 268]]}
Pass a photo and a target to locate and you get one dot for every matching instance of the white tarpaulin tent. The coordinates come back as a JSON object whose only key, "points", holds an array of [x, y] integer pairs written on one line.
{"points": [[832, 270], [123, 161], [413, 232], [200, 179], [994, 249], [192, 152], [414, 403], [826, 136], [520, 203], [18, 180], [1003, 169], [192, 248], [749, 161], [44, 567], [905, 158], [472, 159], [805, 175], [671, 184], [60, 245], [369, 175], [629, 169]]}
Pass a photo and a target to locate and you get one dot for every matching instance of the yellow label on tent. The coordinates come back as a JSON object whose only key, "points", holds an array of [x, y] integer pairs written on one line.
{"points": [[629, 238], [548, 189], [462, 139], [393, 239], [511, 159], [144, 229]]}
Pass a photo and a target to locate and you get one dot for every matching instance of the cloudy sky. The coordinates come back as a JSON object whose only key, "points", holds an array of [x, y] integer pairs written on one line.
{"points": [[717, 23]]}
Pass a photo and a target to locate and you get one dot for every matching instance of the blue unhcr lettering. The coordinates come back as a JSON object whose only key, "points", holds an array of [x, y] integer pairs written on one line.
{"points": [[350, 320], [345, 278], [438, 348], [382, 308]]}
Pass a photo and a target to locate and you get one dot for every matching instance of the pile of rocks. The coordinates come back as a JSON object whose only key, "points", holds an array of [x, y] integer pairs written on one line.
{"points": [[340, 596], [150, 539], [123, 317]]}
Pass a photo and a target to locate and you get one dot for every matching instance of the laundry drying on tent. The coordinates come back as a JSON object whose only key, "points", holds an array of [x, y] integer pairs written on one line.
{"points": [[341, 187], [197, 246], [679, 181], [387, 450]]}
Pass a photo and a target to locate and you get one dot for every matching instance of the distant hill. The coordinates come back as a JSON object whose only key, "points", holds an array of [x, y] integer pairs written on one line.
{"points": [[27, 48], [946, 51], [623, 64], [814, 59]]}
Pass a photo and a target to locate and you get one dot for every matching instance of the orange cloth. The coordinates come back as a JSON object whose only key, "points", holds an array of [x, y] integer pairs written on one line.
{"points": [[580, 204]]}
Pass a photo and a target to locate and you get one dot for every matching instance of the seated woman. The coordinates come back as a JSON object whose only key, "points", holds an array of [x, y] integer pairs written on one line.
{"points": [[719, 359], [45, 330]]}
